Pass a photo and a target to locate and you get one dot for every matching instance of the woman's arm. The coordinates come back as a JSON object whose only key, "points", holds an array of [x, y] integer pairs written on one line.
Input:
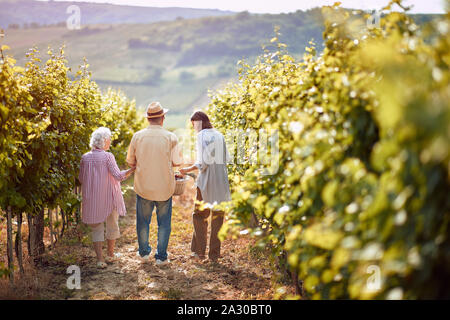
{"points": [[115, 171], [188, 169], [199, 157]]}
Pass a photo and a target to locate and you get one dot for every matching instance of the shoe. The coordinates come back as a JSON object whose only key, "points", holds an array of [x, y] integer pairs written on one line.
{"points": [[195, 256], [167, 252], [144, 258], [101, 265], [162, 263]]}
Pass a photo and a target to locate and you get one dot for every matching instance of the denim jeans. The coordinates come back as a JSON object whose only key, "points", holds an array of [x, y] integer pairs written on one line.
{"points": [[144, 209]]}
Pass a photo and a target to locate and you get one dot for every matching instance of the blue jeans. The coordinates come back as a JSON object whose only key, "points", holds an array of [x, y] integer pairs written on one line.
{"points": [[144, 209]]}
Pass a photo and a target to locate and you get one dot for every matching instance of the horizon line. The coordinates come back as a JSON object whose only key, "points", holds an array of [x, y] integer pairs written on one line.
{"points": [[443, 11]]}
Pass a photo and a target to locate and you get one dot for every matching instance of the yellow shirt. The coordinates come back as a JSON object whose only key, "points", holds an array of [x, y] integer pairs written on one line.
{"points": [[154, 151]]}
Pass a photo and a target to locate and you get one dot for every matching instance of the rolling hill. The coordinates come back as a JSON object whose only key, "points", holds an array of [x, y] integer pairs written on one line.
{"points": [[31, 12], [175, 61]]}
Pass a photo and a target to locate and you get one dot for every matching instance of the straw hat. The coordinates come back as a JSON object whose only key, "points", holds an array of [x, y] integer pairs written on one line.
{"points": [[155, 110]]}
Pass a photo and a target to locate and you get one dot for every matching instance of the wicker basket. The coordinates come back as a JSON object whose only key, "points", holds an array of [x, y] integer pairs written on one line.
{"points": [[179, 187]]}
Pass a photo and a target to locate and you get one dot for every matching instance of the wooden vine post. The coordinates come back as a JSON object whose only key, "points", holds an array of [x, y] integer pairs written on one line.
{"points": [[10, 245], [50, 222], [18, 243]]}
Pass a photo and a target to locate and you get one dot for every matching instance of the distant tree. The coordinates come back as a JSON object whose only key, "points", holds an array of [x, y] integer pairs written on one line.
{"points": [[243, 15], [136, 43], [14, 26]]}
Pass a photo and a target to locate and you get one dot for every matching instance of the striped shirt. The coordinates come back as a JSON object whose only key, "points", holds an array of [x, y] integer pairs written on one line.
{"points": [[100, 186]]}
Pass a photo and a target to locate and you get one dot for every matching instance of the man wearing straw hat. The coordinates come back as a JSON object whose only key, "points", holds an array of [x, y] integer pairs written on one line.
{"points": [[154, 152]]}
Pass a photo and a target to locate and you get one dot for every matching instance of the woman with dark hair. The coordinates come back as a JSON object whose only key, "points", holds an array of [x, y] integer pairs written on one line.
{"points": [[212, 185]]}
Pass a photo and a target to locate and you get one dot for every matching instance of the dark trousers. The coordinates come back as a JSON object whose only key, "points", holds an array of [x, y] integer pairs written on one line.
{"points": [[200, 220]]}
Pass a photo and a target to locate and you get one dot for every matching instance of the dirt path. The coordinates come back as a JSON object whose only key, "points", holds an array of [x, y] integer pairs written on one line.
{"points": [[240, 274]]}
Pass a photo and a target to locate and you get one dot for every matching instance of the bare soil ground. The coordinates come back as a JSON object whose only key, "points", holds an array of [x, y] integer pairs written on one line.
{"points": [[242, 273]]}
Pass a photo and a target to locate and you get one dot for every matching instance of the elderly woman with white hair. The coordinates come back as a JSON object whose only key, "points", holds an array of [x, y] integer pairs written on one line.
{"points": [[102, 199]]}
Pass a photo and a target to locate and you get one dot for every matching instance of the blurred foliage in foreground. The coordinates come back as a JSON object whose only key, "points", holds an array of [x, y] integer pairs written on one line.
{"points": [[46, 123], [46, 119], [360, 202]]}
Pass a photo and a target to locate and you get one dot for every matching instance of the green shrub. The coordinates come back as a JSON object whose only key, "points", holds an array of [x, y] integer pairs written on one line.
{"points": [[363, 179]]}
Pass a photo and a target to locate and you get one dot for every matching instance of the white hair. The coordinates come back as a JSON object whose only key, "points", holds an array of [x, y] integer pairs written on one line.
{"points": [[99, 136]]}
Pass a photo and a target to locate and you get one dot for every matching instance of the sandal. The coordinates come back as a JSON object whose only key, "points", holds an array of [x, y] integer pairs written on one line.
{"points": [[101, 265]]}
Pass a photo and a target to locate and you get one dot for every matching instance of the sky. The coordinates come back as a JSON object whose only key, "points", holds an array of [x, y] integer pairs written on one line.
{"points": [[278, 6]]}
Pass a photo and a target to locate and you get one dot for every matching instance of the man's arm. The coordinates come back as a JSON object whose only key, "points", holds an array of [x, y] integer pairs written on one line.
{"points": [[131, 155]]}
